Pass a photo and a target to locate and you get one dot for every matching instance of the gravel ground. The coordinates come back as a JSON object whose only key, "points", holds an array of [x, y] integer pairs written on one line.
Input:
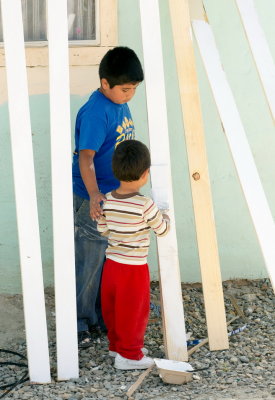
{"points": [[245, 371]]}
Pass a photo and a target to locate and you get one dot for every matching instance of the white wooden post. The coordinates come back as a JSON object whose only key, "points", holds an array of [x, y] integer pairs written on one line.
{"points": [[174, 327], [64, 264], [25, 194], [239, 146], [260, 50]]}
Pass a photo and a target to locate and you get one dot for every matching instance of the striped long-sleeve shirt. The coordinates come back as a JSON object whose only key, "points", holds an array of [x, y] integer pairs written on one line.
{"points": [[126, 221]]}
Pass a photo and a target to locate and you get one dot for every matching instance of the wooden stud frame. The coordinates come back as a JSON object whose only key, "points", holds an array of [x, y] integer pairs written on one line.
{"points": [[239, 146], [200, 184], [170, 282], [25, 194]]}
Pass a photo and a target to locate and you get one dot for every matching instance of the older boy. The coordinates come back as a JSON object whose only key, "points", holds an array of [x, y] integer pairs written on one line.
{"points": [[127, 219], [103, 122]]}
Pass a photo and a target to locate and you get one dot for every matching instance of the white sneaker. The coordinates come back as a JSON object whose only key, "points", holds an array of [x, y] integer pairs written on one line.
{"points": [[126, 363], [114, 353]]}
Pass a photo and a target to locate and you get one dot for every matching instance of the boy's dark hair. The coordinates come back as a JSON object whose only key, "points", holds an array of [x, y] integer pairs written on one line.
{"points": [[121, 65], [131, 159]]}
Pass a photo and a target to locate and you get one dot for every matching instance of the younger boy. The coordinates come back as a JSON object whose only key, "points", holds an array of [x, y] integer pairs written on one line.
{"points": [[102, 122], [127, 219]]}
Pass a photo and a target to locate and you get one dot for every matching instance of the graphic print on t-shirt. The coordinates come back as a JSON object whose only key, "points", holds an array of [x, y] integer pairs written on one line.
{"points": [[126, 131]]}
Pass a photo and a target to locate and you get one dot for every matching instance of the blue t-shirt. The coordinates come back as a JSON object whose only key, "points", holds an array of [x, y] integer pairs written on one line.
{"points": [[100, 126]]}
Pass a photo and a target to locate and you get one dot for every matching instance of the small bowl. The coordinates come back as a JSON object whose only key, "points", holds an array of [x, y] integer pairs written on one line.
{"points": [[174, 372]]}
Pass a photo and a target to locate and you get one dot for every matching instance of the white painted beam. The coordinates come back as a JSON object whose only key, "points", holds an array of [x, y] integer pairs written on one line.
{"points": [[174, 327], [260, 49], [239, 146], [62, 203], [25, 194]]}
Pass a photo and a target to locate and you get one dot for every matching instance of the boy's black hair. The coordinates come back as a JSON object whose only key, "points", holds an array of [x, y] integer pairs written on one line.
{"points": [[121, 65], [131, 159]]}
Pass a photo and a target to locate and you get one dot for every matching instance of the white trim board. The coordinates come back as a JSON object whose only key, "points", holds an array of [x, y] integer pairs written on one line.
{"points": [[239, 146], [62, 200], [25, 194], [260, 50], [174, 327], [199, 177]]}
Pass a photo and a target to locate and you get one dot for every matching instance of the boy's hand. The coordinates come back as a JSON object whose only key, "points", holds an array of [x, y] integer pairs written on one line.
{"points": [[166, 217], [95, 209]]}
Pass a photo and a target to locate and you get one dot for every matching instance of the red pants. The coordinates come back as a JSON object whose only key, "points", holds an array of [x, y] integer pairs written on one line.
{"points": [[125, 301]]}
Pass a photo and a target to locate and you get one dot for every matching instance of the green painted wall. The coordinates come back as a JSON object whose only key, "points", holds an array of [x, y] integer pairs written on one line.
{"points": [[240, 255]]}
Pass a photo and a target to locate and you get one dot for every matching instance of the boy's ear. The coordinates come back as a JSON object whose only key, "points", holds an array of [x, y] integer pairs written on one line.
{"points": [[104, 84], [145, 173]]}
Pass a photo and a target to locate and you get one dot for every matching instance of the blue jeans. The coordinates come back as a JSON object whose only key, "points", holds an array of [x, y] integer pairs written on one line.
{"points": [[90, 249]]}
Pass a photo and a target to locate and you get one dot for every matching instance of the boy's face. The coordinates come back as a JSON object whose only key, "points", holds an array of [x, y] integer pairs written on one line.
{"points": [[119, 94]]}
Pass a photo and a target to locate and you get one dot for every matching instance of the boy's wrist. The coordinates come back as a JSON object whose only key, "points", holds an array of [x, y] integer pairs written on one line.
{"points": [[94, 193]]}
